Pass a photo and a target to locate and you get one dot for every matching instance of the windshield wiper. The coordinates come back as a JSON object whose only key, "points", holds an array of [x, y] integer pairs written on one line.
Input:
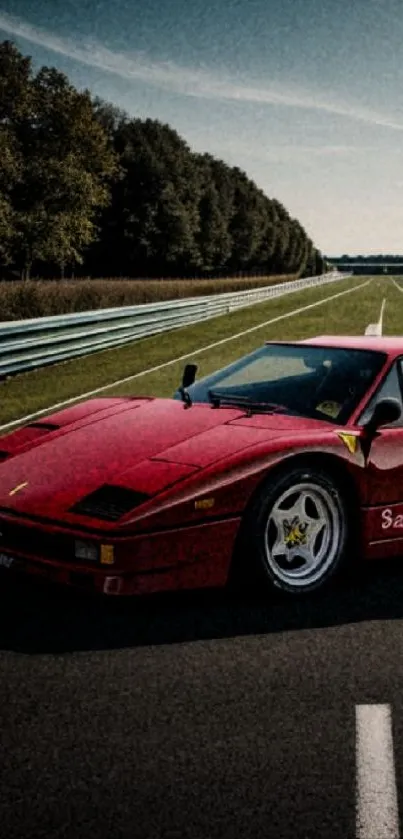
{"points": [[216, 398]]}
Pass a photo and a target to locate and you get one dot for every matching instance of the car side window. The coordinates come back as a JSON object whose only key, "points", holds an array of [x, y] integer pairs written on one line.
{"points": [[390, 387]]}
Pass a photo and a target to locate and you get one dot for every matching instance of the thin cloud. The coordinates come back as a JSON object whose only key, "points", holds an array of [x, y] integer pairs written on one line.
{"points": [[301, 155], [184, 80]]}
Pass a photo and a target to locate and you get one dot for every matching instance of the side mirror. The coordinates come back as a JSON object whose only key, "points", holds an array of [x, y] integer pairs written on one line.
{"points": [[386, 411], [189, 375]]}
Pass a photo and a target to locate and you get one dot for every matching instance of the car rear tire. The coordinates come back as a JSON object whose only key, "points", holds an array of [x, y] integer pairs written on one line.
{"points": [[298, 530]]}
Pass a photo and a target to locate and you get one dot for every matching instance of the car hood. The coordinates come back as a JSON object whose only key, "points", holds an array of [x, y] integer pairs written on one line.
{"points": [[141, 445]]}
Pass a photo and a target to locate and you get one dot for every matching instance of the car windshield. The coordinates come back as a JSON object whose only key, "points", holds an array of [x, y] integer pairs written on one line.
{"points": [[301, 379]]}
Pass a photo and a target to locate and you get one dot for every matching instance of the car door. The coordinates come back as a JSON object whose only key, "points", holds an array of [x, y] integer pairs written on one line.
{"points": [[383, 516]]}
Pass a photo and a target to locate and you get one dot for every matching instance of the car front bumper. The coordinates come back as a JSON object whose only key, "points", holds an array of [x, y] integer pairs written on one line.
{"points": [[192, 557]]}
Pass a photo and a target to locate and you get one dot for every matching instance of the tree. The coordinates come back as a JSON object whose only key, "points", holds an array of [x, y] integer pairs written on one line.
{"points": [[10, 172], [154, 218], [15, 90], [213, 239], [80, 181], [14, 104], [110, 117], [62, 166]]}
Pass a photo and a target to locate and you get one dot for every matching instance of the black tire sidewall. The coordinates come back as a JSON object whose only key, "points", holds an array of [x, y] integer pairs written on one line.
{"points": [[263, 504]]}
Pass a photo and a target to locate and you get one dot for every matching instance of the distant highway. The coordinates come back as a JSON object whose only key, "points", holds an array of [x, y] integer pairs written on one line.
{"points": [[368, 268]]}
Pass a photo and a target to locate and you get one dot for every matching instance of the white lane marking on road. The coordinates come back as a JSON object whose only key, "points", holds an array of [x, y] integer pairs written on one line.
{"points": [[377, 815], [397, 285], [90, 393]]}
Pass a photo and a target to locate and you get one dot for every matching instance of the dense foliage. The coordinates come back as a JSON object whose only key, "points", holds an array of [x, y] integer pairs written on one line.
{"points": [[82, 184]]}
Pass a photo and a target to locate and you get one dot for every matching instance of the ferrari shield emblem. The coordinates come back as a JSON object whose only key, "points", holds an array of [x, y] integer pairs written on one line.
{"points": [[18, 488], [349, 440]]}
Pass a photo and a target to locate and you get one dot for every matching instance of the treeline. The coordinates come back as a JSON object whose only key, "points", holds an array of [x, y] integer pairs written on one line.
{"points": [[86, 190]]}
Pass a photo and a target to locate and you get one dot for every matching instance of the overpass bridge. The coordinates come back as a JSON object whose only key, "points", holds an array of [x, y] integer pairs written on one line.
{"points": [[360, 267]]}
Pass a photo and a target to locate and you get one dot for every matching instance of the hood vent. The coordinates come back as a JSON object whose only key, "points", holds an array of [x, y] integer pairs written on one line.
{"points": [[109, 503], [44, 426]]}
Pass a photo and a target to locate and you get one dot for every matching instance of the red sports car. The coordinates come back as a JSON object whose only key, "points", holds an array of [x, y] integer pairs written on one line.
{"points": [[288, 461]]}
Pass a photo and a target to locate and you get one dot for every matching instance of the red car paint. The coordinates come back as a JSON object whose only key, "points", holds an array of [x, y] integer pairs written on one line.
{"points": [[198, 467]]}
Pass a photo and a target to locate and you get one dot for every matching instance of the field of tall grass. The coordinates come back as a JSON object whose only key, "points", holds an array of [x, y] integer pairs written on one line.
{"points": [[36, 298]]}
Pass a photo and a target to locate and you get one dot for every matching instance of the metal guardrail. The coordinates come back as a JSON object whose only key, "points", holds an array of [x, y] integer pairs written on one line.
{"points": [[27, 344]]}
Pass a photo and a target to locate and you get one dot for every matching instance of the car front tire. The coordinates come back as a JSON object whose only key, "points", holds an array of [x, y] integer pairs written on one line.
{"points": [[298, 530]]}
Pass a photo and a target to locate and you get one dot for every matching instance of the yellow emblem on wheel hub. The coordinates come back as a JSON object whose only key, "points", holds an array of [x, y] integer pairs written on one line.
{"points": [[295, 533]]}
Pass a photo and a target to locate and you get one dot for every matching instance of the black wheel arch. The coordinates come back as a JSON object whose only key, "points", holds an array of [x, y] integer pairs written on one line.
{"points": [[335, 467]]}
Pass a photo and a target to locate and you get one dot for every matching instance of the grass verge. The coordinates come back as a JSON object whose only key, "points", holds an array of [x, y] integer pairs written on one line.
{"points": [[30, 392]]}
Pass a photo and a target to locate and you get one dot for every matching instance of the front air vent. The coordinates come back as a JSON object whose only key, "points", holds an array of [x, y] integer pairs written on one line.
{"points": [[109, 503], [35, 542]]}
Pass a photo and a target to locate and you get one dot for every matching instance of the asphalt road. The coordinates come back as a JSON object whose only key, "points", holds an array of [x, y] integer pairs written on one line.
{"points": [[193, 716]]}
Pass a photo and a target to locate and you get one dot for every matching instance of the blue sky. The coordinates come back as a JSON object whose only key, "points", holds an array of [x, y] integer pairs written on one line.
{"points": [[305, 95]]}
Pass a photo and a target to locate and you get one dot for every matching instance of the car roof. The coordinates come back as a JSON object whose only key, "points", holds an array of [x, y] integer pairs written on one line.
{"points": [[390, 344]]}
